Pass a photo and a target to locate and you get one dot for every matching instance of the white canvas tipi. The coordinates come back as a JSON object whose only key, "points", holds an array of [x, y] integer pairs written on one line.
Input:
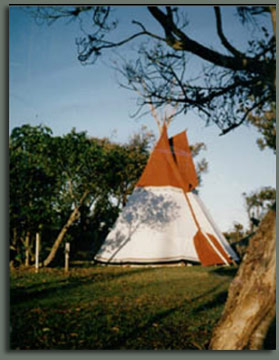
{"points": [[164, 221]]}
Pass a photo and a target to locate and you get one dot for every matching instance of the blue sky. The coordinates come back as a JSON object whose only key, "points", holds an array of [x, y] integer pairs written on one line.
{"points": [[49, 86]]}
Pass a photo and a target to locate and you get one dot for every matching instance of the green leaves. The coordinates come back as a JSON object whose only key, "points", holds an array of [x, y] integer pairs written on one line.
{"points": [[50, 176], [32, 176]]}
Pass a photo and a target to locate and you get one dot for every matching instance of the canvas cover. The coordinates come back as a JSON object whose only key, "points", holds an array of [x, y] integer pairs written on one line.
{"points": [[164, 221]]}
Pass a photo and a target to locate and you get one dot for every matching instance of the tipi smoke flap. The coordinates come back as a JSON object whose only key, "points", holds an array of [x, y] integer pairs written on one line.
{"points": [[164, 221]]}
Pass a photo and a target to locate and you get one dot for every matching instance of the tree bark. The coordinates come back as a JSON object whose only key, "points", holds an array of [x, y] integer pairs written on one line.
{"points": [[250, 307], [73, 217]]}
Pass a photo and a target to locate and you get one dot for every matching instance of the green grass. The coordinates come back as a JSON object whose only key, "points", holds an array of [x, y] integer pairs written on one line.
{"points": [[117, 308]]}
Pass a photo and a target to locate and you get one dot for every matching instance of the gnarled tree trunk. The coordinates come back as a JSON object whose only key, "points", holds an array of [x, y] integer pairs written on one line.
{"points": [[250, 306]]}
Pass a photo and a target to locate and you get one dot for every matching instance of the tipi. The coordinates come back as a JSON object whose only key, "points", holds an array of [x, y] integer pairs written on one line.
{"points": [[164, 221]]}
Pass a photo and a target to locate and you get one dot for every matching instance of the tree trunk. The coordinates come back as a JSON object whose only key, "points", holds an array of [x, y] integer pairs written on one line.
{"points": [[13, 247], [250, 306], [27, 238], [73, 217]]}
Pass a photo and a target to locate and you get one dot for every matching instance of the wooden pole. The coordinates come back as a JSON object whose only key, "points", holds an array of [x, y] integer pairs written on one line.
{"points": [[67, 256], [37, 252], [27, 249]]}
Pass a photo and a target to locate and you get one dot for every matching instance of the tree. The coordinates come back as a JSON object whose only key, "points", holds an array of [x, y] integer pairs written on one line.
{"points": [[51, 178], [237, 87], [266, 125], [82, 165], [258, 203], [251, 303], [128, 162], [33, 185], [236, 233], [125, 165]]}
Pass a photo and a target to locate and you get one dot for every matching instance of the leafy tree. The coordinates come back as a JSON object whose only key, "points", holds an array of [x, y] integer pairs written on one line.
{"points": [[124, 164], [238, 239], [128, 162], [33, 184], [258, 203], [82, 165], [50, 179], [266, 124], [236, 233]]}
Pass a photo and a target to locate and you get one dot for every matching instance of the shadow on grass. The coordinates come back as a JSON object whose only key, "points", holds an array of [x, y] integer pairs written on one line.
{"points": [[225, 271], [219, 299], [160, 316], [136, 332], [27, 293]]}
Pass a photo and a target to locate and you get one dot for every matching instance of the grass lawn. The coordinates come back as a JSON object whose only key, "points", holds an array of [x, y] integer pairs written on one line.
{"points": [[117, 308]]}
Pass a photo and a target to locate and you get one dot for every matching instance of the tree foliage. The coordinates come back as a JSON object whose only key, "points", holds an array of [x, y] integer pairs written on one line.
{"points": [[266, 124], [53, 179], [258, 203], [33, 184]]}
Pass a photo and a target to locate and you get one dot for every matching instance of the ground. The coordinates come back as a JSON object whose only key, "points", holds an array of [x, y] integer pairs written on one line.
{"points": [[117, 308]]}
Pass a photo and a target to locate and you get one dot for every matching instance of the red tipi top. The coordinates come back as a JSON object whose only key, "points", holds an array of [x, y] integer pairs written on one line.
{"points": [[184, 161], [170, 167]]}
